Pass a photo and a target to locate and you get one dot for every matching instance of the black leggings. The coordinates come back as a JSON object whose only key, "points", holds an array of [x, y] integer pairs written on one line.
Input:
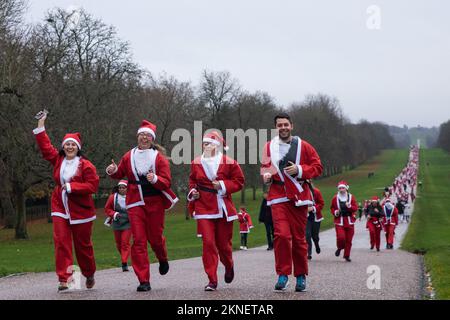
{"points": [[312, 232], [244, 237]]}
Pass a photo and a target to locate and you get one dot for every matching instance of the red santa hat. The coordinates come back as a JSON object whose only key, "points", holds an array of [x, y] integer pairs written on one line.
{"points": [[215, 138], [74, 137], [375, 198], [147, 127], [343, 184], [123, 183]]}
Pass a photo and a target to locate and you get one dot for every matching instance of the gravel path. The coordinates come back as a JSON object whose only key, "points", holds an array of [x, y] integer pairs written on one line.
{"points": [[330, 277]]}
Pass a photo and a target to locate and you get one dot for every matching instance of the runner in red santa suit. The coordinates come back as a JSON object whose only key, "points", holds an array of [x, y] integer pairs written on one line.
{"points": [[390, 221], [115, 210], [374, 220], [213, 179], [245, 224], [287, 162], [73, 209], [344, 207], [148, 196]]}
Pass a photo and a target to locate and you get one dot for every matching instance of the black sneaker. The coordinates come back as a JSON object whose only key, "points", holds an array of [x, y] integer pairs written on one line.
{"points": [[317, 249], [348, 259], [212, 286], [338, 252], [163, 267], [309, 257], [144, 286], [125, 267], [63, 286], [269, 248], [90, 282], [229, 275]]}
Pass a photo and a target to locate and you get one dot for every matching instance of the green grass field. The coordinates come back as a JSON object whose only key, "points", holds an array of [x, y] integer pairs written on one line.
{"points": [[430, 226], [36, 254]]}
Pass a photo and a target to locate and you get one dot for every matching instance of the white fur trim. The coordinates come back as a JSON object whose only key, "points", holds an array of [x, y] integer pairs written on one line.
{"points": [[277, 200], [208, 216], [213, 141], [189, 196], [61, 215], [39, 130], [80, 221], [147, 130], [223, 190], [343, 186], [300, 171], [172, 200], [301, 203], [155, 179], [73, 140], [136, 204], [115, 216], [68, 188]]}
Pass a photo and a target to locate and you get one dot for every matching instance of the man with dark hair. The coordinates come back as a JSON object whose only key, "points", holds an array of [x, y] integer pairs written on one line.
{"points": [[287, 162]]}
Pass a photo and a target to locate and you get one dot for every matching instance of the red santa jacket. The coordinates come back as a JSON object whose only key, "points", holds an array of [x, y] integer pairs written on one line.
{"points": [[110, 206], [393, 220], [245, 222], [213, 204], [285, 188], [319, 203], [341, 220], [77, 206], [161, 168]]}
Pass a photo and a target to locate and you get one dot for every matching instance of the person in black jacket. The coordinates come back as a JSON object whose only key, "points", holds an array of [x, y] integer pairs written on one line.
{"points": [[265, 216]]}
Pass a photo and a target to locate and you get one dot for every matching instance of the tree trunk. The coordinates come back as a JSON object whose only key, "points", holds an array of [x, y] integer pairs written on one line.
{"points": [[9, 213], [21, 226], [254, 193], [243, 196], [186, 210], [49, 206]]}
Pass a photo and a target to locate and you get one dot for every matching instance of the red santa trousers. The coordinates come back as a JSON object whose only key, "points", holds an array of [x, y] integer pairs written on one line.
{"points": [[147, 225], [390, 231], [217, 236], [63, 235], [122, 238], [375, 231], [344, 237], [290, 246]]}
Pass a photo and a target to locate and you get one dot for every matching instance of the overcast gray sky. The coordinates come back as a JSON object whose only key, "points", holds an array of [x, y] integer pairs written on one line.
{"points": [[398, 74]]}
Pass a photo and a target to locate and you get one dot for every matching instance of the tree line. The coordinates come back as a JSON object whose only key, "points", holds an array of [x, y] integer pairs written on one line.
{"points": [[78, 68], [444, 136]]}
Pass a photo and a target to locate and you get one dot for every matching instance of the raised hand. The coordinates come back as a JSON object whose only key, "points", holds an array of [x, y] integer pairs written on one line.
{"points": [[41, 116], [112, 167]]}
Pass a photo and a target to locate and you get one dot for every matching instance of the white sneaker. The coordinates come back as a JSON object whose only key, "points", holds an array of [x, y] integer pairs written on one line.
{"points": [[241, 247], [245, 248]]}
